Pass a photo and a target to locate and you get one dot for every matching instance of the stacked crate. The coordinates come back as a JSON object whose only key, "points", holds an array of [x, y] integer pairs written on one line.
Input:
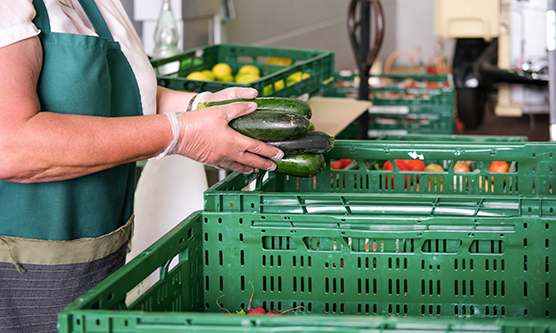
{"points": [[401, 104], [276, 65], [357, 249]]}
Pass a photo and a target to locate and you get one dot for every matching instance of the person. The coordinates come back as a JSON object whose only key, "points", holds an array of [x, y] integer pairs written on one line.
{"points": [[79, 105]]}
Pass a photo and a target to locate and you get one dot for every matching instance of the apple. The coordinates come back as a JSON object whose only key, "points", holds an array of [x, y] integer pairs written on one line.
{"points": [[499, 166], [461, 167], [434, 168]]}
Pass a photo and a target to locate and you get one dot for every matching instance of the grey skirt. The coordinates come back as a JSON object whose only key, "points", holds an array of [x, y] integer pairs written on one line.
{"points": [[39, 278]]}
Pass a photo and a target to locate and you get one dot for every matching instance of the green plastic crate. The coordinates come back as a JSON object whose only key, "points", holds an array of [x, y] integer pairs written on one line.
{"points": [[451, 137], [401, 104], [345, 274], [398, 93], [402, 124], [530, 180], [318, 64]]}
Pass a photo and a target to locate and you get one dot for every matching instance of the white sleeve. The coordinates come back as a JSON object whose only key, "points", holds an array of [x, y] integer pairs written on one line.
{"points": [[16, 21]]}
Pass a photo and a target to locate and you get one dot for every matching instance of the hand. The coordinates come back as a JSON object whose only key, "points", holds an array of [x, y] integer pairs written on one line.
{"points": [[206, 137], [231, 93]]}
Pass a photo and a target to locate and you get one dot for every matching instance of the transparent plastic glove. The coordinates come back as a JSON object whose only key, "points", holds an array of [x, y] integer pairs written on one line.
{"points": [[204, 136], [231, 93], [222, 95]]}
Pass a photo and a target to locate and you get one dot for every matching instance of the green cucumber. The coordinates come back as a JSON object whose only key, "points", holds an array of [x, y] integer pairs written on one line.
{"points": [[285, 104], [305, 165], [271, 125], [311, 143]]}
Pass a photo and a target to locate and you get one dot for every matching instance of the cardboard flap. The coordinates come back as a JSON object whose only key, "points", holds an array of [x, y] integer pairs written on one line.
{"points": [[332, 115]]}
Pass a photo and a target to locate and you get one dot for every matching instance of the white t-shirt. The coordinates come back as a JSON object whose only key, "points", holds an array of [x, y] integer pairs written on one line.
{"points": [[169, 189], [67, 16]]}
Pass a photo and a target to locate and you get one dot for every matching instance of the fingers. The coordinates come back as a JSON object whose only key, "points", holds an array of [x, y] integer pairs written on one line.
{"points": [[256, 154], [248, 93], [256, 148], [259, 148], [206, 137], [235, 166], [235, 110], [255, 161], [244, 154], [246, 162], [253, 149], [233, 93]]}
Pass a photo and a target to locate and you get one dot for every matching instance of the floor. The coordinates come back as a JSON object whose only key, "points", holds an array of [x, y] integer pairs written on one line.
{"points": [[534, 127]]}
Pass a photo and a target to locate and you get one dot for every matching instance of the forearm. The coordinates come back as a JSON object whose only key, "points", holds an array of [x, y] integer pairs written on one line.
{"points": [[41, 146], [168, 100], [51, 146]]}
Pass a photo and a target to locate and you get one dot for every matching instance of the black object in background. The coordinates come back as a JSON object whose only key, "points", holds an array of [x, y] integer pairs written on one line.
{"points": [[471, 89]]}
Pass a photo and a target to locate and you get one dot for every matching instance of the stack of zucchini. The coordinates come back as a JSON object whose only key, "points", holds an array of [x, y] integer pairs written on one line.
{"points": [[285, 123]]}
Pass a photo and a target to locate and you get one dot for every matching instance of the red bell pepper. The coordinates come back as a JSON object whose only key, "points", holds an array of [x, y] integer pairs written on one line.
{"points": [[405, 165]]}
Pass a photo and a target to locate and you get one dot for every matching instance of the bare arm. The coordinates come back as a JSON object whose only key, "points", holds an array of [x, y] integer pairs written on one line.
{"points": [[168, 100], [44, 146]]}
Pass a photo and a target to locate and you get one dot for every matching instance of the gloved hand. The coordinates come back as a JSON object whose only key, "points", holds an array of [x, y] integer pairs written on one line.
{"points": [[204, 135], [222, 95], [231, 93]]}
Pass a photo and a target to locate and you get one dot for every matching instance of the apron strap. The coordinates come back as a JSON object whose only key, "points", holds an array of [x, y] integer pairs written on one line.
{"points": [[94, 15], [41, 19]]}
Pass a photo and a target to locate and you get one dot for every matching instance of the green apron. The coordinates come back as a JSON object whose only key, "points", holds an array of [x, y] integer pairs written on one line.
{"points": [[58, 239]]}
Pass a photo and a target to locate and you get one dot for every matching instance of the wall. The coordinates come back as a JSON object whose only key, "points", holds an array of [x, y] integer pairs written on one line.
{"points": [[322, 24], [415, 31], [312, 24], [128, 5]]}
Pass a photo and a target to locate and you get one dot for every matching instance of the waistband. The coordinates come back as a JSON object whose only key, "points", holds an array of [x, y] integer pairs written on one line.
{"points": [[46, 252]]}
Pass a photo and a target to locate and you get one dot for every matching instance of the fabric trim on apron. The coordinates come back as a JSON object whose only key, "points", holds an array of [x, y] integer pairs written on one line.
{"points": [[33, 251]]}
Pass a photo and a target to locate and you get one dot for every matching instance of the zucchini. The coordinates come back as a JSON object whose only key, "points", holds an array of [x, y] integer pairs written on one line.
{"points": [[305, 165], [271, 125], [312, 143], [285, 104]]}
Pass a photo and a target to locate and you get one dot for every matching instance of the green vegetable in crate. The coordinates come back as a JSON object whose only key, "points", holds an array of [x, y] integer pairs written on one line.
{"points": [[305, 165], [312, 143], [284, 104], [271, 125]]}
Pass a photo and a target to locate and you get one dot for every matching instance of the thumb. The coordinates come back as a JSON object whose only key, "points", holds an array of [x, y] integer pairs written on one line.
{"points": [[233, 93], [235, 110], [247, 93]]}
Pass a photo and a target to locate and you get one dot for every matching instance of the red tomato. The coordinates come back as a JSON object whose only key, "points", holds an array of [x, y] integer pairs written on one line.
{"points": [[256, 311], [405, 165], [388, 166], [345, 162], [336, 165], [273, 312], [410, 83], [416, 165], [499, 166]]}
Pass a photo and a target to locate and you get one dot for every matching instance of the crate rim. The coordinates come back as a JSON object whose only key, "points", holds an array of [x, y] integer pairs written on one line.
{"points": [[76, 311], [189, 320], [163, 61]]}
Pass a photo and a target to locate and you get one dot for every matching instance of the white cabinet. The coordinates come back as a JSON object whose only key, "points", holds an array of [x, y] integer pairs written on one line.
{"points": [[467, 18]]}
